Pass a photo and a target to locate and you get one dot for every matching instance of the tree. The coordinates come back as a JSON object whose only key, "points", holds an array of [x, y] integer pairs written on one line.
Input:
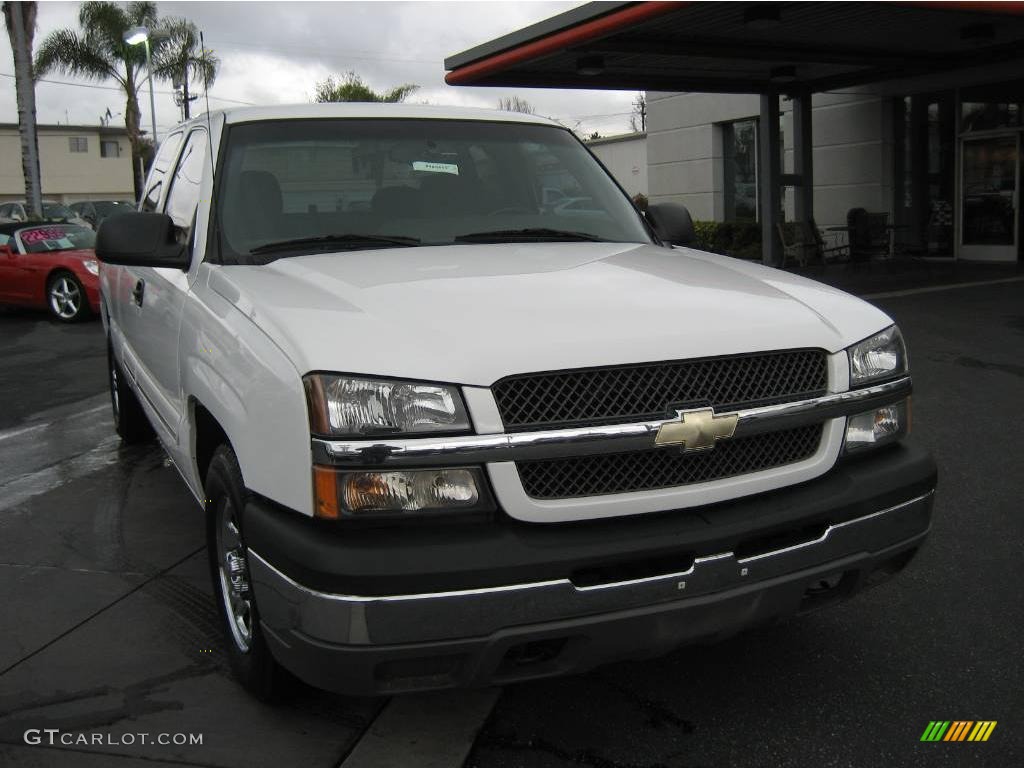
{"points": [[20, 20], [516, 104], [350, 87], [97, 51], [639, 113], [180, 57]]}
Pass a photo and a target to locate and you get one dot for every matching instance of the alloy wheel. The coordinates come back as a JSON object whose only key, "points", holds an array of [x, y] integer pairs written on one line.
{"points": [[65, 298]]}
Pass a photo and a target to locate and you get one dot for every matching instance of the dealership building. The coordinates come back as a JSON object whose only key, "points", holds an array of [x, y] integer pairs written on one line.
{"points": [[912, 113]]}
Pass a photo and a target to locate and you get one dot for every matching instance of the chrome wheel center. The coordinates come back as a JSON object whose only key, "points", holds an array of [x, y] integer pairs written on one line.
{"points": [[234, 578]]}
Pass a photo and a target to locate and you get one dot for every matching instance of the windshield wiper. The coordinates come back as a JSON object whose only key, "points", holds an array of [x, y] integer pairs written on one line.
{"points": [[535, 234], [346, 242]]}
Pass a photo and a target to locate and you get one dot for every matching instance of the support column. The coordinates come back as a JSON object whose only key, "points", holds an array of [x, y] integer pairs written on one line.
{"points": [[769, 178], [803, 157]]}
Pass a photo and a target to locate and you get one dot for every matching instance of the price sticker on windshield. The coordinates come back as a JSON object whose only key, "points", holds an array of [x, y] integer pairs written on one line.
{"points": [[430, 167], [41, 234]]}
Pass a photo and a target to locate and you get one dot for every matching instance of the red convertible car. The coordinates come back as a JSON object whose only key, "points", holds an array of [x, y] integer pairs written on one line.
{"points": [[51, 266]]}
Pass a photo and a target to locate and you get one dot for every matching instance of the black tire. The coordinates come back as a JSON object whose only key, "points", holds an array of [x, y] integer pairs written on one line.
{"points": [[65, 298], [244, 641], [130, 420]]}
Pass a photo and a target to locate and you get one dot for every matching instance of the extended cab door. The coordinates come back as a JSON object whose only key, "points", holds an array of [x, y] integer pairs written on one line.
{"points": [[153, 320]]}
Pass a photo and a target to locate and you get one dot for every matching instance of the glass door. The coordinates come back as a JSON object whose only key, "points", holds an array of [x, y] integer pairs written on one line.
{"points": [[990, 217]]}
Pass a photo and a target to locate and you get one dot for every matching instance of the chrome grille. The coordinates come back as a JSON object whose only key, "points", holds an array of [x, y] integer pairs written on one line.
{"points": [[665, 467], [626, 393]]}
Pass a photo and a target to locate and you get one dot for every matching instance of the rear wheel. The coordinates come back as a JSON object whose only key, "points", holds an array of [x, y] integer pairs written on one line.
{"points": [[66, 298], [130, 421], [250, 658]]}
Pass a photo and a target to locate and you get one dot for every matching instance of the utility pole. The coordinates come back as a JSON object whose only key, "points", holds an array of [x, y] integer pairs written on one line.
{"points": [[21, 34]]}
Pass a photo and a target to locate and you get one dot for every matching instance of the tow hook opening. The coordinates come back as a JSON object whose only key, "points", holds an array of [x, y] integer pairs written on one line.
{"points": [[828, 589], [535, 654]]}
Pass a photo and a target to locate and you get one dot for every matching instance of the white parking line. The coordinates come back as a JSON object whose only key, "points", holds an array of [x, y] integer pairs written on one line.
{"points": [[936, 288], [424, 730]]}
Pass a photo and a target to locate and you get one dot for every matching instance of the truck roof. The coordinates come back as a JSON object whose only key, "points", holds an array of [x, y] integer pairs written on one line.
{"points": [[371, 110]]}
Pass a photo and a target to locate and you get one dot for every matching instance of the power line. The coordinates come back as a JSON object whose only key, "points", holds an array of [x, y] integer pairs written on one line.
{"points": [[346, 53], [121, 90]]}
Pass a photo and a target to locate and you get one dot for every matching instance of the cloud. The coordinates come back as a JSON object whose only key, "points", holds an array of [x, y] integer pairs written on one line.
{"points": [[274, 52]]}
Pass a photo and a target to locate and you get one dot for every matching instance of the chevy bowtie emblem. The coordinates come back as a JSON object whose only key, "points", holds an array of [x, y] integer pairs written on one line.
{"points": [[697, 430]]}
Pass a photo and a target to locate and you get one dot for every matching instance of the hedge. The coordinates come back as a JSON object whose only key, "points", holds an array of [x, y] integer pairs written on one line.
{"points": [[733, 238]]}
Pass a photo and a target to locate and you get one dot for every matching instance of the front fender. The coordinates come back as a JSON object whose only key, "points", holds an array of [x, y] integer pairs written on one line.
{"points": [[253, 390]]}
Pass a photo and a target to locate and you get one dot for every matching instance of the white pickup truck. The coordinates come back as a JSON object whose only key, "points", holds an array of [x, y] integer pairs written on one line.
{"points": [[449, 432]]}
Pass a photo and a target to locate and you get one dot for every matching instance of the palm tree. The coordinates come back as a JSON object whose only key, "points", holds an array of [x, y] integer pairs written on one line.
{"points": [[98, 51], [352, 88], [20, 20], [180, 56]]}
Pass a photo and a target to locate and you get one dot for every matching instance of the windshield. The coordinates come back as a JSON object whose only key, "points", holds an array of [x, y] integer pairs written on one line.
{"points": [[56, 237], [110, 207], [57, 211], [305, 186]]}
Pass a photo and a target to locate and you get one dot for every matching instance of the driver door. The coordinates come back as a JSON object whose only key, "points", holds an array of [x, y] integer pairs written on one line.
{"points": [[153, 318]]}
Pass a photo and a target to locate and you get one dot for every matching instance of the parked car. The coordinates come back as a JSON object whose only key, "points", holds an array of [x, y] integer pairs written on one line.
{"points": [[460, 439], [52, 211], [50, 265], [95, 211]]}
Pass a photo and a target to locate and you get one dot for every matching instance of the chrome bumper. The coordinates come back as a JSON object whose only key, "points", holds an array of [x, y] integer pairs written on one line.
{"points": [[286, 606], [583, 441]]}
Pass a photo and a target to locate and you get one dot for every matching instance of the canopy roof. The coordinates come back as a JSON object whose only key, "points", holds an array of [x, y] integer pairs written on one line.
{"points": [[744, 47]]}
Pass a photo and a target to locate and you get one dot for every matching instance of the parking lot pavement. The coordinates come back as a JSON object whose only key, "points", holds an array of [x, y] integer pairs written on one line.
{"points": [[108, 623], [46, 364]]}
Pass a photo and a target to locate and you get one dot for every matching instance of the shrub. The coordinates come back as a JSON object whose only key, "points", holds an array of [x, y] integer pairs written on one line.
{"points": [[741, 239]]}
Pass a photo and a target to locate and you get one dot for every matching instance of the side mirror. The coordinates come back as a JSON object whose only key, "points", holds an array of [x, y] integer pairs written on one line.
{"points": [[140, 240], [672, 223], [6, 251]]}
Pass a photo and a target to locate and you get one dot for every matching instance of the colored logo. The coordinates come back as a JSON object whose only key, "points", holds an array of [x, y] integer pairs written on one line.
{"points": [[958, 730]]}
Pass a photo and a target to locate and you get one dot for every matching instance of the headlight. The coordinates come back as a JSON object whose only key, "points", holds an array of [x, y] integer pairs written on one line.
{"points": [[346, 405], [882, 356], [374, 493], [878, 426], [93, 267]]}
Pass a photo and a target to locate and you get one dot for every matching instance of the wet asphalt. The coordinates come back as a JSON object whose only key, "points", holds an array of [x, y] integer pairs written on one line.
{"points": [[107, 621]]}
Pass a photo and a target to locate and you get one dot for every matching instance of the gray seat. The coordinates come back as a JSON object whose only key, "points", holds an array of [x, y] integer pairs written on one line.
{"points": [[255, 210]]}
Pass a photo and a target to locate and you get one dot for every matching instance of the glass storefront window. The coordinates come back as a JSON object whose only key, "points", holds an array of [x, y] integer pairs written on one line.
{"points": [[990, 184], [739, 145], [991, 107], [925, 171]]}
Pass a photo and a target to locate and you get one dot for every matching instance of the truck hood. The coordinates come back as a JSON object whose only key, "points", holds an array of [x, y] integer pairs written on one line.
{"points": [[472, 314]]}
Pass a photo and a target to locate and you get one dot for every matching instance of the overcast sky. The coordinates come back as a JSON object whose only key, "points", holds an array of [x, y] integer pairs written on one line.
{"points": [[275, 52]]}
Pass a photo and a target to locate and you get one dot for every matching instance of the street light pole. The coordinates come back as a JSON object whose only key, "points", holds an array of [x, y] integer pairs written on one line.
{"points": [[152, 99], [134, 36]]}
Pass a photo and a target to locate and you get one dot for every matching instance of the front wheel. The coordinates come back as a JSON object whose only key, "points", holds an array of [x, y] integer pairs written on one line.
{"points": [[250, 658], [66, 298]]}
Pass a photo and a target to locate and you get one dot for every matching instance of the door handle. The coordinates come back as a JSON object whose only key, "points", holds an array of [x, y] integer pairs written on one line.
{"points": [[138, 293]]}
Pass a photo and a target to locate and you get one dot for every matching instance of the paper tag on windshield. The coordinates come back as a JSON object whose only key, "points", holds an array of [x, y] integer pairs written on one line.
{"points": [[423, 165]]}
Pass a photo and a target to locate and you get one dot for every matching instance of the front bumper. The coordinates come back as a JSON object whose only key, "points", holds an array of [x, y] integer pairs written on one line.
{"points": [[472, 615]]}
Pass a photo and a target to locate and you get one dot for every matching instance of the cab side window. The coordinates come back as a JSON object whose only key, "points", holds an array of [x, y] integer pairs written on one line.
{"points": [[161, 164], [183, 195]]}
